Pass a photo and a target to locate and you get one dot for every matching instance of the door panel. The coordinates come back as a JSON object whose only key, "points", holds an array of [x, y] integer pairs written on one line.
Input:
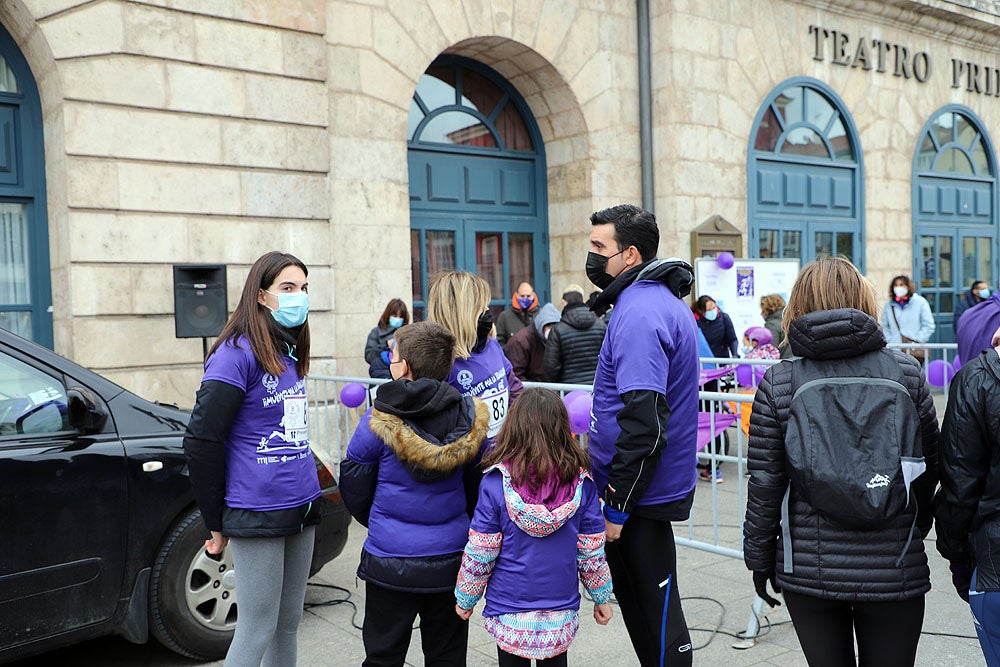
{"points": [[63, 511]]}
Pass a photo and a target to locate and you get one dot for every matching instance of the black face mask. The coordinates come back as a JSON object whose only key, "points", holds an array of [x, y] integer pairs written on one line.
{"points": [[597, 266], [485, 325]]}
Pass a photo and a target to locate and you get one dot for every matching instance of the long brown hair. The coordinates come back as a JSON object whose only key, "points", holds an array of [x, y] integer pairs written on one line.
{"points": [[829, 283], [535, 437], [253, 321], [394, 307]]}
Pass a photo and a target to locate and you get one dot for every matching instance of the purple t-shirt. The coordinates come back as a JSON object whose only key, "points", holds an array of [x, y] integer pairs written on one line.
{"points": [[488, 376], [651, 344], [269, 465]]}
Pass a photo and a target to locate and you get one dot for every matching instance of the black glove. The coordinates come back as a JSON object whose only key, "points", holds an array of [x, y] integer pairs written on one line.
{"points": [[760, 580], [961, 577]]}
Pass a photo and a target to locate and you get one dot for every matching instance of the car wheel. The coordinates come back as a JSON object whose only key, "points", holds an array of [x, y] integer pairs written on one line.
{"points": [[192, 597]]}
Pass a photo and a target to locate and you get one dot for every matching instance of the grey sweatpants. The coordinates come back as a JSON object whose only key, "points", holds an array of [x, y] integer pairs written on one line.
{"points": [[271, 574]]}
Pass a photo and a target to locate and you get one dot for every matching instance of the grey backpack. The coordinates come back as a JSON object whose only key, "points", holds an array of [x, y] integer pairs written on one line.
{"points": [[853, 444]]}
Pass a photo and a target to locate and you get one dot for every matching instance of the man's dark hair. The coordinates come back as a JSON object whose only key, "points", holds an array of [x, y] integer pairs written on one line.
{"points": [[633, 226], [428, 348], [572, 296]]}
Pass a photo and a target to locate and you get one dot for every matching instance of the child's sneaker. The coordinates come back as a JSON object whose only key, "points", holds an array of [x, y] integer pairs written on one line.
{"points": [[706, 476]]}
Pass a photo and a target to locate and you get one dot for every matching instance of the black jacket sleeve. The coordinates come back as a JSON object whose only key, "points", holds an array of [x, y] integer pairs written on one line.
{"points": [[215, 409], [643, 437], [923, 486], [371, 346], [964, 465], [732, 342], [552, 361], [357, 487]]}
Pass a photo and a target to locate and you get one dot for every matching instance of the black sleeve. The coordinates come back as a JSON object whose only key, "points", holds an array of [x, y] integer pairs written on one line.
{"points": [[643, 437], [731, 340], [552, 361], [964, 464], [357, 487], [371, 346], [215, 409], [924, 486]]}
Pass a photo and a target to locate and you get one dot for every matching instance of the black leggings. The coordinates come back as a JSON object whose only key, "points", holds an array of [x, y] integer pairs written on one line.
{"points": [[511, 660], [641, 560], [887, 632]]}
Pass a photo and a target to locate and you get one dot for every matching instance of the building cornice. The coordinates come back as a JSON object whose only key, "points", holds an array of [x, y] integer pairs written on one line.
{"points": [[973, 23]]}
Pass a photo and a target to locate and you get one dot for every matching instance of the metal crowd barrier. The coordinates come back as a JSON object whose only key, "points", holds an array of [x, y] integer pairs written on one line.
{"points": [[332, 423]]}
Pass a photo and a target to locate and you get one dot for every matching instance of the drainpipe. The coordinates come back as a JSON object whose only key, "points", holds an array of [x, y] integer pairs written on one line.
{"points": [[645, 106]]}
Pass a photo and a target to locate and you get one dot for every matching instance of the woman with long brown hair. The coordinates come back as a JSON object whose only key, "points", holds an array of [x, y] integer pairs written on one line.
{"points": [[538, 524], [395, 315], [251, 468], [843, 465]]}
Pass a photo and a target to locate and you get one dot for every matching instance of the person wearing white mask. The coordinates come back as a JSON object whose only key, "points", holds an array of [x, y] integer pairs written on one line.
{"points": [[907, 316]]}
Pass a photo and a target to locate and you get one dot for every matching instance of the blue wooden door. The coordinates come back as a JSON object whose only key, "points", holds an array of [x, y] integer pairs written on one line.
{"points": [[804, 177], [477, 182], [954, 213], [25, 284]]}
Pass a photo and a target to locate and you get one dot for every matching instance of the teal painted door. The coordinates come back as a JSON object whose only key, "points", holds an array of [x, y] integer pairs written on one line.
{"points": [[804, 177], [954, 213], [25, 283], [477, 183]]}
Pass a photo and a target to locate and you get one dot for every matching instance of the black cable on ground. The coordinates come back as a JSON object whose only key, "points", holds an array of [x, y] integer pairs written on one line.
{"points": [[336, 601]]}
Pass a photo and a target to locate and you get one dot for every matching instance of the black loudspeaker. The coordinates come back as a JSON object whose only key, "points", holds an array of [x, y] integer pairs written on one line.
{"points": [[199, 300]]}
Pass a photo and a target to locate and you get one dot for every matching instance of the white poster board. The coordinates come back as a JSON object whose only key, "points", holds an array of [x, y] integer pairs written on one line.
{"points": [[739, 288]]}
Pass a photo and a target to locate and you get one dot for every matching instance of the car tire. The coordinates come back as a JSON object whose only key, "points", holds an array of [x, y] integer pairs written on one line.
{"points": [[192, 595]]}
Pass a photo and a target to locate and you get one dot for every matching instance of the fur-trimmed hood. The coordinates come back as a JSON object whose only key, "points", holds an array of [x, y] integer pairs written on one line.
{"points": [[426, 457]]}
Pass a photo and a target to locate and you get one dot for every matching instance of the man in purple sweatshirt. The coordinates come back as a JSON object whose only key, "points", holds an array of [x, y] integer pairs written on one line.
{"points": [[643, 427]]}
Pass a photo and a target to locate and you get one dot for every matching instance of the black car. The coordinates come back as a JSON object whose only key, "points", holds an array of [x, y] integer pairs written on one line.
{"points": [[99, 533]]}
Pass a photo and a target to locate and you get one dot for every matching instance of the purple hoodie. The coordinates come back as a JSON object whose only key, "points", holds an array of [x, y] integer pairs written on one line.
{"points": [[531, 553], [488, 376]]}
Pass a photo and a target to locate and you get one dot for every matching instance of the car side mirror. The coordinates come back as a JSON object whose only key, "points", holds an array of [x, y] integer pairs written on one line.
{"points": [[85, 414]]}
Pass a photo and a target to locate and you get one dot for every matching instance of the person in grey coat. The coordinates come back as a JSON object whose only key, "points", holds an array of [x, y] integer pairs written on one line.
{"points": [[395, 315]]}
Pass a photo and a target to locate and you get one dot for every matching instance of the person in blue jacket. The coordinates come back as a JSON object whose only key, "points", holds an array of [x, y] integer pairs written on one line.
{"points": [[717, 327], [410, 476]]}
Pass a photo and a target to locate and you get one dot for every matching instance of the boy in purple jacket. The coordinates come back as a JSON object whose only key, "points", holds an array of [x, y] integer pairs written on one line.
{"points": [[410, 476]]}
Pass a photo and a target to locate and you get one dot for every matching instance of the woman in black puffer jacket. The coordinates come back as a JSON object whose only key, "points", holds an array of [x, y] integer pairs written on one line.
{"points": [[838, 580]]}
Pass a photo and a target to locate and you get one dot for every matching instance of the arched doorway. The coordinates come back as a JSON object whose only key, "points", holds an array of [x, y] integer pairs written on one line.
{"points": [[805, 182], [477, 182], [25, 283], [954, 212]]}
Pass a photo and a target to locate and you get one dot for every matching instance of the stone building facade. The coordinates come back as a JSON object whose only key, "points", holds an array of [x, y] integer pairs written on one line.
{"points": [[211, 131]]}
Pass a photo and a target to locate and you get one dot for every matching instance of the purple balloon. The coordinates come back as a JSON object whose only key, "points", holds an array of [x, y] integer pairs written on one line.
{"points": [[353, 394], [939, 372], [744, 375], [579, 413], [725, 260], [571, 398], [956, 363]]}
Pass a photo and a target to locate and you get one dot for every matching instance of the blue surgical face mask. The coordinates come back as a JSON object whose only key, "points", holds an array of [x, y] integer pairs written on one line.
{"points": [[710, 315], [292, 308], [395, 322], [984, 293], [744, 350]]}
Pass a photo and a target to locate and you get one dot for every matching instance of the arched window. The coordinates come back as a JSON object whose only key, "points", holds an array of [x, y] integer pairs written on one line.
{"points": [[477, 182], [25, 284], [954, 212], [805, 185]]}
